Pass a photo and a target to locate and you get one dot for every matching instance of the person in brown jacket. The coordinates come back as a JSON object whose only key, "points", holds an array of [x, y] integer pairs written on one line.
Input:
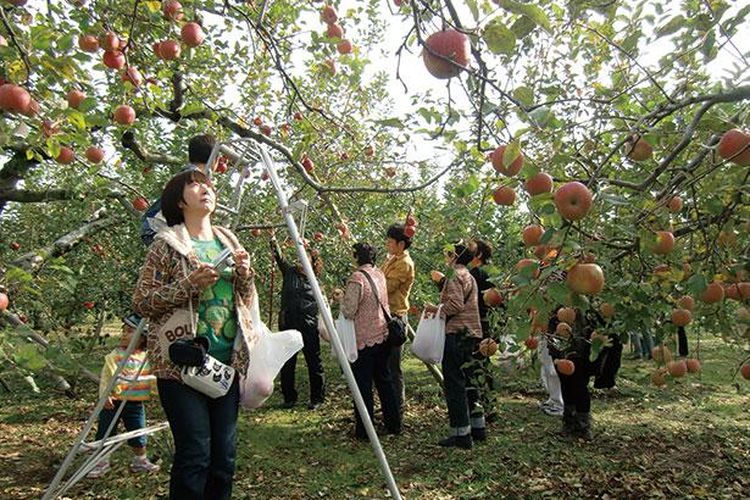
{"points": [[463, 332], [183, 296]]}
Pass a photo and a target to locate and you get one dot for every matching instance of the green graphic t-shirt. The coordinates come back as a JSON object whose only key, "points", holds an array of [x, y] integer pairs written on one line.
{"points": [[217, 318]]}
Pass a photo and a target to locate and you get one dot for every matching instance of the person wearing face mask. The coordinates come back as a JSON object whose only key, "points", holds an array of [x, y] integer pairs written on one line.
{"points": [[184, 296], [463, 332]]}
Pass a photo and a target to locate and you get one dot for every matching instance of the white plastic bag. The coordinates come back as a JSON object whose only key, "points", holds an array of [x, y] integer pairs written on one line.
{"points": [[348, 338], [429, 339], [267, 357]]}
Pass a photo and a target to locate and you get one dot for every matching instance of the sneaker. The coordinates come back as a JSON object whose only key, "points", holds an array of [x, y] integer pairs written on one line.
{"points": [[314, 405], [457, 442], [99, 469], [552, 411], [143, 465]]}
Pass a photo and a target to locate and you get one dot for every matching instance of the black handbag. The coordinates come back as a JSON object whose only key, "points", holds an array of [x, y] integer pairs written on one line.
{"points": [[189, 352], [396, 326]]}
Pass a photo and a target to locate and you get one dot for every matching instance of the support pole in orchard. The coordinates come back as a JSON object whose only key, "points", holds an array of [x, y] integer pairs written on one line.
{"points": [[328, 319]]}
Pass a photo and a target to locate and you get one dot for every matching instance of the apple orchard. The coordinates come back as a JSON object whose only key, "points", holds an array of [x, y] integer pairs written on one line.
{"points": [[605, 140]]}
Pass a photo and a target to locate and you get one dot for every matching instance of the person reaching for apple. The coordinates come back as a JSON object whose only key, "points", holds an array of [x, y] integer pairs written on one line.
{"points": [[463, 333]]}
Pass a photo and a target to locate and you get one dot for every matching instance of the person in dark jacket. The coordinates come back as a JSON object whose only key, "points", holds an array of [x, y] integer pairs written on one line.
{"points": [[299, 311], [575, 345]]}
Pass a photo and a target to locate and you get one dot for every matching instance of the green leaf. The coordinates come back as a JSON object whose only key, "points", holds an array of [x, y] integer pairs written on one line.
{"points": [[522, 27], [87, 105], [512, 151], [391, 122], [499, 39], [27, 356], [531, 11], [524, 95], [672, 26], [697, 283], [547, 236], [473, 8], [596, 348]]}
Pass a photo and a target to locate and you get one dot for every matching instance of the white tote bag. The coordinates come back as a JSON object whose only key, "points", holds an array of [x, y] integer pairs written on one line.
{"points": [[267, 357], [429, 339], [213, 378], [348, 338]]}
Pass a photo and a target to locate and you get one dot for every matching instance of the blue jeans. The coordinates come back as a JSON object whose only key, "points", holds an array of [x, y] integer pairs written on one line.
{"points": [[133, 416], [204, 432]]}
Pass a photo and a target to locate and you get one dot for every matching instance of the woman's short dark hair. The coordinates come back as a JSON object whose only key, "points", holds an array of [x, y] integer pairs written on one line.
{"points": [[464, 254], [396, 231], [171, 197], [200, 147], [364, 253], [483, 250]]}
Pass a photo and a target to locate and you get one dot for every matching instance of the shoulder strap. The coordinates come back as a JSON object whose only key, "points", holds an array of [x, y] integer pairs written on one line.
{"points": [[375, 292]]}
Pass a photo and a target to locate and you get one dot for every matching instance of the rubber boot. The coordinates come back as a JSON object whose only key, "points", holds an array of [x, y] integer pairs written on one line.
{"points": [[583, 426]]}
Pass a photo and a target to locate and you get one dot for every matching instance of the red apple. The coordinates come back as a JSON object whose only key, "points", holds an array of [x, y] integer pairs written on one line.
{"points": [[124, 114], [169, 50], [369, 150], [693, 365], [686, 302], [713, 293], [745, 371], [492, 297], [17, 3], [140, 203], [89, 305], [531, 342], [735, 147], [256, 232], [607, 310], [677, 369], [638, 149], [110, 41], [66, 156], [3, 302], [343, 230], [75, 98], [132, 75], [318, 236], [266, 129], [335, 31], [172, 10], [487, 347], [675, 204], [113, 59], [192, 34], [532, 234], [565, 366], [538, 184], [410, 231], [264, 176], [329, 15], [573, 200], [298, 116], [524, 263], [94, 154], [681, 317], [586, 279], [504, 196], [88, 43], [307, 164], [257, 121], [566, 315], [33, 108], [14, 99], [330, 66], [664, 243], [344, 47], [14, 245], [497, 162], [450, 44]]}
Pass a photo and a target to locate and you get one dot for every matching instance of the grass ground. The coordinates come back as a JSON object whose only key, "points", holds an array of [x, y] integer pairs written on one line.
{"points": [[689, 440]]}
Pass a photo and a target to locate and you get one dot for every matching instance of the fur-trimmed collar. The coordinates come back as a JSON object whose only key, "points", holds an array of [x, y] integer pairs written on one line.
{"points": [[177, 237]]}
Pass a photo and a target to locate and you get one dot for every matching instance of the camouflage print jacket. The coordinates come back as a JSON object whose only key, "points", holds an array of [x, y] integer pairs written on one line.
{"points": [[166, 298]]}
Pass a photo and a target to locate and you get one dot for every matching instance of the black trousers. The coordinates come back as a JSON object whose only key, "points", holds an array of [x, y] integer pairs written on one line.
{"points": [[459, 369], [372, 365], [311, 352], [575, 387]]}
